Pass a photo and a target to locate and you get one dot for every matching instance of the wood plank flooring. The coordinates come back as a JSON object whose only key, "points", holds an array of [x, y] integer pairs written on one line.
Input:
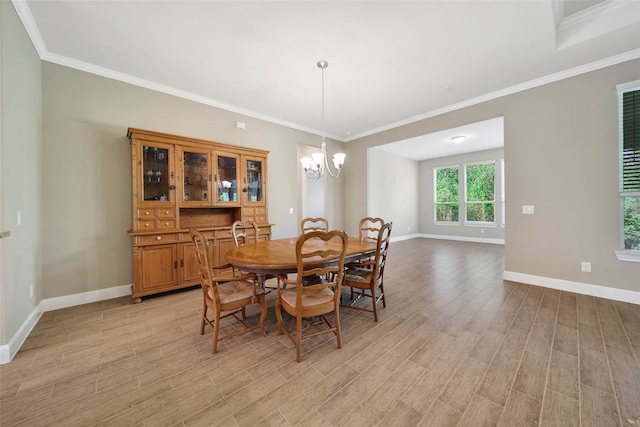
{"points": [[456, 346]]}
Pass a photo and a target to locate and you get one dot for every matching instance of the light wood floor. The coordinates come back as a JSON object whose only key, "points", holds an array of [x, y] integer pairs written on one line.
{"points": [[456, 345]]}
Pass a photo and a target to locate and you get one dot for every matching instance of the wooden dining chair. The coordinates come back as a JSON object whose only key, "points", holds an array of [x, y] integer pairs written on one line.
{"points": [[314, 224], [368, 230], [318, 254], [247, 232], [244, 232], [229, 293], [369, 275]]}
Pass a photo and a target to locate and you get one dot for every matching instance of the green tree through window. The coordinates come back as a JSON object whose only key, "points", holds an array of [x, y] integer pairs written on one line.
{"points": [[447, 203], [480, 192]]}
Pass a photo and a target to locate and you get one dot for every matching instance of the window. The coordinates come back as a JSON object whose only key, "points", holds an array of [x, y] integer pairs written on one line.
{"points": [[480, 192], [446, 194], [629, 122]]}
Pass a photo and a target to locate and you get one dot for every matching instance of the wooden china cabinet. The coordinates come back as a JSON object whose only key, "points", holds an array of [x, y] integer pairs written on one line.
{"points": [[181, 183]]}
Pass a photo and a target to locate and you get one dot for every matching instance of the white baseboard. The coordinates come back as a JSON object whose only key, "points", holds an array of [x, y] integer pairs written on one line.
{"points": [[463, 238], [407, 237], [8, 351], [577, 287], [84, 298]]}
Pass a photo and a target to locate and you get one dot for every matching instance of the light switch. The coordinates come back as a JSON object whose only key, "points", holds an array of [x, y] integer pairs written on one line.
{"points": [[19, 218], [527, 209]]}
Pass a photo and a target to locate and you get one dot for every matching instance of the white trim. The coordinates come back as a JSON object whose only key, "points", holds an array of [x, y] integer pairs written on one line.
{"points": [[633, 256], [572, 72], [596, 21], [65, 301], [577, 287], [407, 237], [27, 20], [463, 238], [626, 87], [8, 351]]}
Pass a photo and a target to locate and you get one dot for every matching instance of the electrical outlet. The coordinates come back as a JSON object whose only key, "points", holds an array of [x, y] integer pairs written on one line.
{"points": [[31, 290], [19, 218], [482, 231], [291, 211], [586, 267]]}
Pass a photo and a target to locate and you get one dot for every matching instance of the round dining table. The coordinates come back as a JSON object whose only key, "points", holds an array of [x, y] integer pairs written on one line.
{"points": [[279, 256]]}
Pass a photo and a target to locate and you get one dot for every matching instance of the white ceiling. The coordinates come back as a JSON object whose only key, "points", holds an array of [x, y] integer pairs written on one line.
{"points": [[479, 136], [390, 62]]}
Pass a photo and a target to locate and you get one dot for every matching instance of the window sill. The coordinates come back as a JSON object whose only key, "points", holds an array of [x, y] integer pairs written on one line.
{"points": [[632, 256]]}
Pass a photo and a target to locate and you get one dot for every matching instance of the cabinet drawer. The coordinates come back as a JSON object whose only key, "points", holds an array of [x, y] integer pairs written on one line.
{"points": [[166, 213], [249, 212], [147, 224], [166, 224], [157, 238], [146, 213], [261, 210], [261, 219]]}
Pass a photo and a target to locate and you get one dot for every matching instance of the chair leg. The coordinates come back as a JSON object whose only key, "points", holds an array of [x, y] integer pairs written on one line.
{"points": [[263, 315], [204, 316], [298, 336], [278, 309], [374, 303], [336, 313], [384, 301], [216, 329]]}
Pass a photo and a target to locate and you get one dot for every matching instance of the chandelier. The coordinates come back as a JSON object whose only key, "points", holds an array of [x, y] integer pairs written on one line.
{"points": [[316, 165]]}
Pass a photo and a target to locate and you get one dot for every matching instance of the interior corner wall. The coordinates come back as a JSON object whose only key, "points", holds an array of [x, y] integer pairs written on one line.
{"points": [[392, 189], [21, 182], [561, 156]]}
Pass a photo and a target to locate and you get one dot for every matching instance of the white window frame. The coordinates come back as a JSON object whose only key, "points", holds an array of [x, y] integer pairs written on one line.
{"points": [[503, 201], [624, 254], [435, 197], [466, 202]]}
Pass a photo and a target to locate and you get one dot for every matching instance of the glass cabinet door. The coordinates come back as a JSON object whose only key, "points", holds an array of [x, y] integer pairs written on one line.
{"points": [[195, 174], [155, 174], [226, 178], [253, 180]]}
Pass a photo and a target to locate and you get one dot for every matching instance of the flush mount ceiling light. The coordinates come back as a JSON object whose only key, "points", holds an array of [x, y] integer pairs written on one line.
{"points": [[316, 165], [458, 139]]}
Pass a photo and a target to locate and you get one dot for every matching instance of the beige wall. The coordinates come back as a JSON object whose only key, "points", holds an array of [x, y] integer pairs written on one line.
{"points": [[392, 189], [561, 148], [87, 186], [21, 169]]}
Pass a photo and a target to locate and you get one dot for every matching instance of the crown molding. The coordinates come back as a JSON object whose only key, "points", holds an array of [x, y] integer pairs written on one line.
{"points": [[32, 30], [551, 78], [595, 21]]}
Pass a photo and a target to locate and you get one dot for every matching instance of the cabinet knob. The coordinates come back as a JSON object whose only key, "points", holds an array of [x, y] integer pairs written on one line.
{"points": [[147, 224], [166, 223], [166, 212], [146, 213], [158, 237]]}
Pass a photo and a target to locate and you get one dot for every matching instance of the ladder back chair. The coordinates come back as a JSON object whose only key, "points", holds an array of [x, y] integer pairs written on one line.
{"points": [[247, 232], [316, 254], [369, 275], [244, 232], [314, 224], [229, 294]]}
